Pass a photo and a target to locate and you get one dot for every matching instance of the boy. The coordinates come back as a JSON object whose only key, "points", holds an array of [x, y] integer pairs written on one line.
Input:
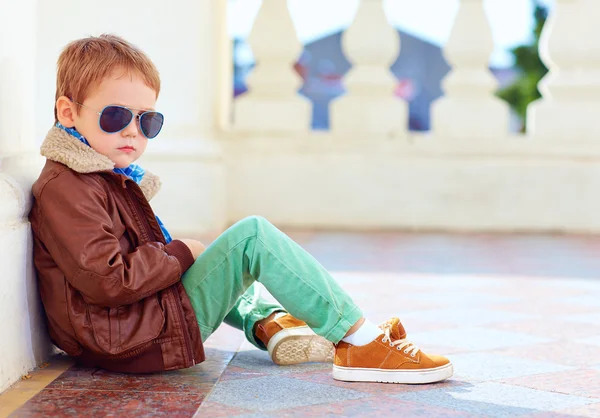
{"points": [[121, 294]]}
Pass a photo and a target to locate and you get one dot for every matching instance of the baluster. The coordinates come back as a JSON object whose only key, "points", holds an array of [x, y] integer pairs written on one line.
{"points": [[469, 109], [372, 45], [570, 107], [272, 102]]}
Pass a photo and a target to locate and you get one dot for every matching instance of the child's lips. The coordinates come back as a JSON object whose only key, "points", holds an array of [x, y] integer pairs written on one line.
{"points": [[126, 149]]}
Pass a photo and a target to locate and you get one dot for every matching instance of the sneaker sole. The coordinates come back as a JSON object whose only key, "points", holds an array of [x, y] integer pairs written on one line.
{"points": [[408, 377], [300, 345]]}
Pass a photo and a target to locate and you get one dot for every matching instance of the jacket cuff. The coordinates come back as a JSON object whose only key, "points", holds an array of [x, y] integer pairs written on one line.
{"points": [[182, 253]]}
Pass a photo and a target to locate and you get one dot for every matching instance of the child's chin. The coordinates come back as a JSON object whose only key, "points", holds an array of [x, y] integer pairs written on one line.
{"points": [[123, 163]]}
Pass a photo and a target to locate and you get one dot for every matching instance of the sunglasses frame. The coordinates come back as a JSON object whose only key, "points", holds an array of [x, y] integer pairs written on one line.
{"points": [[134, 115]]}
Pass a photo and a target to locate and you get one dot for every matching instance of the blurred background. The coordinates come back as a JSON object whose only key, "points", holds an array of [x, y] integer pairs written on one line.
{"points": [[424, 28]]}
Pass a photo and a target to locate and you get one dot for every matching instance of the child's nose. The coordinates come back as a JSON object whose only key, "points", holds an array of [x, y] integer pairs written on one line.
{"points": [[132, 129]]}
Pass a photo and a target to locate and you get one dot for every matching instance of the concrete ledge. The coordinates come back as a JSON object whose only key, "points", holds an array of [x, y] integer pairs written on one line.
{"points": [[419, 183], [22, 327]]}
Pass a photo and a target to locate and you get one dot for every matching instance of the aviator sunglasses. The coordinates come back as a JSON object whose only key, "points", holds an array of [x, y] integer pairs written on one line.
{"points": [[115, 118]]}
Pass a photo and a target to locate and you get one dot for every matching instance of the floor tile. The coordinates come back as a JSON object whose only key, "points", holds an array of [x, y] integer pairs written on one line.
{"points": [[583, 382], [375, 406], [586, 286], [253, 359], [590, 411], [18, 394], [268, 394], [488, 366], [541, 308], [555, 329], [326, 378], [589, 299], [459, 298], [198, 377], [495, 399], [235, 373], [587, 318], [475, 338], [594, 340], [215, 410], [565, 352], [97, 403], [465, 315]]}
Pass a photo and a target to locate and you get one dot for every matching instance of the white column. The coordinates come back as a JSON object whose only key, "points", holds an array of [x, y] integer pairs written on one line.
{"points": [[372, 45], [187, 40], [469, 110], [25, 342], [195, 63], [570, 107], [272, 102]]}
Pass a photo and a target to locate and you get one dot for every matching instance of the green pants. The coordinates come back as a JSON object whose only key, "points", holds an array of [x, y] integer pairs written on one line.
{"points": [[220, 283]]}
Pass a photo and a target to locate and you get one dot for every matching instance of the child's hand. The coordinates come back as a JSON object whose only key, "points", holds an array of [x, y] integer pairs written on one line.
{"points": [[196, 247]]}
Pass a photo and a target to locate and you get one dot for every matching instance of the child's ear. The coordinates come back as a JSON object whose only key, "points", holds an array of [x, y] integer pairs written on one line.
{"points": [[65, 111]]}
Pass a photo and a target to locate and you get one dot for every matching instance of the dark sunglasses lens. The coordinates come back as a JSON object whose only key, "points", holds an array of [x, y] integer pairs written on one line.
{"points": [[115, 119], [151, 123]]}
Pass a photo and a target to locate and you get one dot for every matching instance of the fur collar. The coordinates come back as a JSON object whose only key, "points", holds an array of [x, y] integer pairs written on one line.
{"points": [[63, 148]]}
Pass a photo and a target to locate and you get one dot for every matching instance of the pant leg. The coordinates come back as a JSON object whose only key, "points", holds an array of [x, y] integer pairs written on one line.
{"points": [[254, 250], [249, 309]]}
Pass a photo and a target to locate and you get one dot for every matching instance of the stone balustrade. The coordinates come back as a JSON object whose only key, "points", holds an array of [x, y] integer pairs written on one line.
{"points": [[469, 109], [467, 173]]}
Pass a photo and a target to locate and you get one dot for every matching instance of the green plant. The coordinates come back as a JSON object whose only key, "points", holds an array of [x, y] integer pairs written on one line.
{"points": [[531, 69]]}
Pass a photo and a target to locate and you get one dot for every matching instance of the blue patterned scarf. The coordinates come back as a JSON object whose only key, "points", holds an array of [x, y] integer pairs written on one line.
{"points": [[134, 172]]}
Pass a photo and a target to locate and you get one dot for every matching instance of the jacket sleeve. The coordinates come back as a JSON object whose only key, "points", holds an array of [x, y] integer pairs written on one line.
{"points": [[78, 233]]}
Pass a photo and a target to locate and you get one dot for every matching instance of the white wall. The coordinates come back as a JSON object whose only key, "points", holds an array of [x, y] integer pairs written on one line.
{"points": [[173, 34], [417, 183], [24, 342], [184, 40]]}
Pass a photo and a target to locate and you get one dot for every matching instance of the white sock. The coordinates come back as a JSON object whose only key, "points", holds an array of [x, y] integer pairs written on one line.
{"points": [[280, 314], [367, 332]]}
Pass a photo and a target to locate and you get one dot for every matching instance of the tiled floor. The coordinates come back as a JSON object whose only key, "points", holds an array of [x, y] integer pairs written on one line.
{"points": [[518, 315]]}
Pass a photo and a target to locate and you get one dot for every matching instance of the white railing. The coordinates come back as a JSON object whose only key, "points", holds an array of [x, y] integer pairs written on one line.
{"points": [[571, 106], [469, 109], [371, 45], [274, 84]]}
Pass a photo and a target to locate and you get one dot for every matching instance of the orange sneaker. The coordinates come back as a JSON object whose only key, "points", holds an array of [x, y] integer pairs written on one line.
{"points": [[291, 341], [390, 358]]}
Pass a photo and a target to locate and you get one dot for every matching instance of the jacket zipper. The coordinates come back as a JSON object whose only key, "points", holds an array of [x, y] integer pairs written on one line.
{"points": [[140, 214], [151, 236]]}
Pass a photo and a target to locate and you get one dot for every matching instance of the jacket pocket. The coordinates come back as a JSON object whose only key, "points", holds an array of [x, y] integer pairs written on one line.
{"points": [[119, 330]]}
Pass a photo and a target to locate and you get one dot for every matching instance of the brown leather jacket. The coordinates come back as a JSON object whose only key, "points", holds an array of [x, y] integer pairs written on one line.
{"points": [[110, 286]]}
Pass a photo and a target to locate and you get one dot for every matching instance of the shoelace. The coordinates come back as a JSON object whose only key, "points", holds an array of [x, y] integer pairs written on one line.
{"points": [[402, 344]]}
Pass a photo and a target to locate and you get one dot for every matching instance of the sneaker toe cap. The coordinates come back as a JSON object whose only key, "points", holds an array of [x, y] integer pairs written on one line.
{"points": [[439, 361]]}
